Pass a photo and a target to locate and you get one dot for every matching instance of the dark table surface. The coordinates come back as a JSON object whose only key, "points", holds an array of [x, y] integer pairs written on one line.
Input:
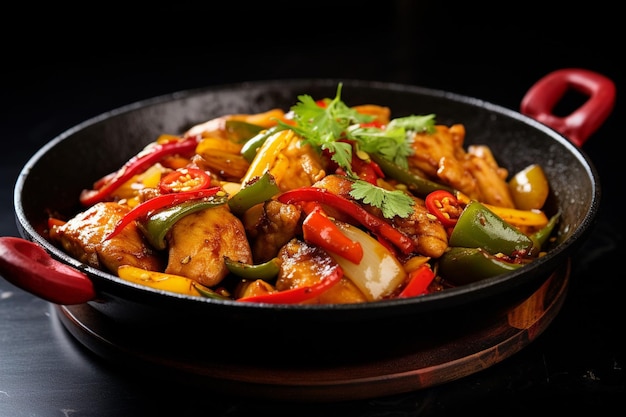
{"points": [[76, 69]]}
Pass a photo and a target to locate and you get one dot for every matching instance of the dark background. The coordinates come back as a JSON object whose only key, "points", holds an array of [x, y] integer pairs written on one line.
{"points": [[60, 68]]}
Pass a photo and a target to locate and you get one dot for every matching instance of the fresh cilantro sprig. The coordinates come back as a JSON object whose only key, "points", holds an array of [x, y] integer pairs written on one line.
{"points": [[324, 127], [394, 141], [391, 203], [391, 144]]}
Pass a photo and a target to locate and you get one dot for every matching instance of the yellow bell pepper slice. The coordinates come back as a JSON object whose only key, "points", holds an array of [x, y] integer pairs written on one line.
{"points": [[161, 281], [532, 218], [268, 154], [522, 218], [266, 119], [529, 188]]}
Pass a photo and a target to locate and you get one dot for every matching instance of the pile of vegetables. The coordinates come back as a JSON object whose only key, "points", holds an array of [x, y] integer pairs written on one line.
{"points": [[355, 233]]}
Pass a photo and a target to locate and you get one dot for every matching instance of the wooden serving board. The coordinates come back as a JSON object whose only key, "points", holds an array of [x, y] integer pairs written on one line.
{"points": [[400, 369]]}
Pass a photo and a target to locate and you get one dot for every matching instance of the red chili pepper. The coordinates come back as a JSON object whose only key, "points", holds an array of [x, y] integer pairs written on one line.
{"points": [[184, 179], [419, 280], [319, 230], [159, 202], [371, 222], [444, 206], [366, 170], [298, 295], [137, 164]]}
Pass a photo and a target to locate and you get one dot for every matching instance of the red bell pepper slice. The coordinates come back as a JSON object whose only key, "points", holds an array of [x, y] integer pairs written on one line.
{"points": [[137, 164], [371, 222], [159, 202], [319, 230], [298, 295], [184, 179], [419, 280], [444, 206]]}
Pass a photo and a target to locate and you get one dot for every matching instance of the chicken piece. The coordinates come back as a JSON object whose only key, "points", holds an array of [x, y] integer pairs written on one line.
{"points": [[490, 177], [199, 242], [428, 234], [304, 265], [442, 158], [83, 238], [298, 165], [382, 114], [221, 157], [269, 226], [438, 155], [336, 184], [340, 185]]}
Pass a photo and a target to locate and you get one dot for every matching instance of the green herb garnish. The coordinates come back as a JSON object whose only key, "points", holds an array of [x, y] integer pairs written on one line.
{"points": [[392, 203], [324, 127]]}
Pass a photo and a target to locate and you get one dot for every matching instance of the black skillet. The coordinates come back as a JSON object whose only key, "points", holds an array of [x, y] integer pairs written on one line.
{"points": [[53, 178]]}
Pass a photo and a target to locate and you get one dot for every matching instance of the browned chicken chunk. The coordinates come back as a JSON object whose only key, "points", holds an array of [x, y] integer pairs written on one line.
{"points": [[337, 184], [304, 265], [340, 185], [199, 242], [269, 227], [428, 234], [298, 165], [441, 157], [490, 178], [83, 238]]}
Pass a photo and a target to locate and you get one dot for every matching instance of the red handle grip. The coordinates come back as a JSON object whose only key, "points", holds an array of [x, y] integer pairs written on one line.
{"points": [[540, 100], [28, 266]]}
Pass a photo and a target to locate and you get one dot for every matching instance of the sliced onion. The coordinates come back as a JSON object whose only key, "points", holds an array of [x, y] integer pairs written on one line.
{"points": [[379, 273]]}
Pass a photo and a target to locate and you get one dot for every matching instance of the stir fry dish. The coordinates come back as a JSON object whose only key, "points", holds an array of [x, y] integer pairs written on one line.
{"points": [[321, 203]]}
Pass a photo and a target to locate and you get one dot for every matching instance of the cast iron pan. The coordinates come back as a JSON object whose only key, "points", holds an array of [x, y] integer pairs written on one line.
{"points": [[53, 178]]}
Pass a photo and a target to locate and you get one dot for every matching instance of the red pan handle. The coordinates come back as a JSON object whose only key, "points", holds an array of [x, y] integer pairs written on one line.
{"points": [[541, 98], [27, 265]]}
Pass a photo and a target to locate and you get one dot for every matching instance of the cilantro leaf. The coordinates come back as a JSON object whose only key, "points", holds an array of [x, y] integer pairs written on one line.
{"points": [[414, 123], [391, 203], [391, 144]]}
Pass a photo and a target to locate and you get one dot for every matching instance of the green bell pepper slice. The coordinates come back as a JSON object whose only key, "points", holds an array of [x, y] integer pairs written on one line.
{"points": [[266, 271], [541, 236], [239, 131], [479, 227], [463, 266], [156, 226], [255, 192], [249, 149], [418, 185], [209, 293]]}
